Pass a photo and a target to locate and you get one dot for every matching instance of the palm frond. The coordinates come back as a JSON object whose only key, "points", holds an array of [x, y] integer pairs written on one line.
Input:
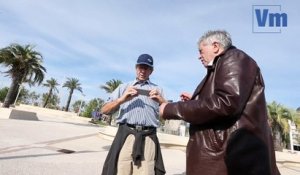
{"points": [[111, 85]]}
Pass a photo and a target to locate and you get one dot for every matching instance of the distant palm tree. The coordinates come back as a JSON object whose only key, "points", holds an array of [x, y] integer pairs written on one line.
{"points": [[33, 96], [53, 100], [111, 85], [77, 105], [278, 120], [52, 83], [72, 84], [24, 66]]}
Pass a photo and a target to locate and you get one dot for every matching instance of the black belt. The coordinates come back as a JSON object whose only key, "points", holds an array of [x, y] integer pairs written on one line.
{"points": [[139, 127]]}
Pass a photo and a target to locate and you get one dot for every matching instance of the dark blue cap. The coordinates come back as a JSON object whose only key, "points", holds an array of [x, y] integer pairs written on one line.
{"points": [[145, 59]]}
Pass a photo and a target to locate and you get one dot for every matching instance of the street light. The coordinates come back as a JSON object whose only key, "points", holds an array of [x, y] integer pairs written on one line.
{"points": [[291, 136], [79, 110], [20, 88]]}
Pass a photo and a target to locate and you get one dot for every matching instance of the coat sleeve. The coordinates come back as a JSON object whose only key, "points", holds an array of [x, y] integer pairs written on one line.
{"points": [[235, 75]]}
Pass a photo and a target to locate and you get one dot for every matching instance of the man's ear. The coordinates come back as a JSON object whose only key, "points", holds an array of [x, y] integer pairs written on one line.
{"points": [[151, 71], [216, 47]]}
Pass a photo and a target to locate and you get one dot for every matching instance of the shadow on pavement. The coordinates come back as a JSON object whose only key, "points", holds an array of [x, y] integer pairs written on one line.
{"points": [[42, 155], [106, 147], [71, 123]]}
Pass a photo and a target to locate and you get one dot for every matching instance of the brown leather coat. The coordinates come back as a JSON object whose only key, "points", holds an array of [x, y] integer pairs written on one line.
{"points": [[229, 132]]}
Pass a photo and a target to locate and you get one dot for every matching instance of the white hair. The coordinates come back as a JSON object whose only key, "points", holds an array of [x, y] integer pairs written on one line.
{"points": [[220, 36]]}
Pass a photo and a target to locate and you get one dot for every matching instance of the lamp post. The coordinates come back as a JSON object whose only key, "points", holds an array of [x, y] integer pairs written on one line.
{"points": [[79, 110], [20, 88], [291, 136]]}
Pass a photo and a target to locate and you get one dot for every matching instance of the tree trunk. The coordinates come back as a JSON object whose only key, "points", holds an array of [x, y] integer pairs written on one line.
{"points": [[109, 120], [277, 139], [47, 99], [69, 100], [11, 94]]}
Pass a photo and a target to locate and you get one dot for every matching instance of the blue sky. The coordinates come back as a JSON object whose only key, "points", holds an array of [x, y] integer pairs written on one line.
{"points": [[96, 41]]}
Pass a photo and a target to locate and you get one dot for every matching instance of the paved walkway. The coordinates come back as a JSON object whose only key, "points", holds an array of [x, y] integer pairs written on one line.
{"points": [[64, 144]]}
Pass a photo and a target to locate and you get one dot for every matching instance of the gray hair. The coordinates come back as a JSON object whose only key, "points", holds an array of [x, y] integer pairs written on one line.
{"points": [[220, 36]]}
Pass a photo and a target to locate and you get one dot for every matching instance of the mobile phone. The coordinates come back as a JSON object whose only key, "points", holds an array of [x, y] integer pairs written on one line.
{"points": [[143, 92]]}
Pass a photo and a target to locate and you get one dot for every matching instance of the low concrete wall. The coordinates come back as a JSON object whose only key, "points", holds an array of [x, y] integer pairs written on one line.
{"points": [[4, 112], [107, 132], [22, 115], [43, 111]]}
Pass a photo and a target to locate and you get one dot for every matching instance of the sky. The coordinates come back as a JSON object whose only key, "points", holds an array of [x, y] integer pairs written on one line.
{"points": [[96, 41]]}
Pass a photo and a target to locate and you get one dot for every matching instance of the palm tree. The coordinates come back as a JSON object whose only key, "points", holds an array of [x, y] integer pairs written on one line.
{"points": [[53, 100], [52, 83], [77, 105], [33, 96], [24, 66], [278, 120], [72, 84], [111, 85]]}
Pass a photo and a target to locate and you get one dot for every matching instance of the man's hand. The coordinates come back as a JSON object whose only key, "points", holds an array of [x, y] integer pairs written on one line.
{"points": [[156, 96], [161, 109], [185, 96], [129, 93]]}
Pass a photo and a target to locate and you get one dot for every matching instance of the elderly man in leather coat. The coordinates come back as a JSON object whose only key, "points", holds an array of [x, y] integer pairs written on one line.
{"points": [[229, 132]]}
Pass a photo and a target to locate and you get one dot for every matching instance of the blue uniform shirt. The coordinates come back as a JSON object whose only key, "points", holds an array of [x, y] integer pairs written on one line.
{"points": [[141, 110]]}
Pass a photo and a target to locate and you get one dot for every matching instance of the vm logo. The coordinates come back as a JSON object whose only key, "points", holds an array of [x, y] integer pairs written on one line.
{"points": [[268, 19]]}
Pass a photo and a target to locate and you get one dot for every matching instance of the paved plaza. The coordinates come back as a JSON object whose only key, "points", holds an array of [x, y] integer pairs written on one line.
{"points": [[65, 144]]}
